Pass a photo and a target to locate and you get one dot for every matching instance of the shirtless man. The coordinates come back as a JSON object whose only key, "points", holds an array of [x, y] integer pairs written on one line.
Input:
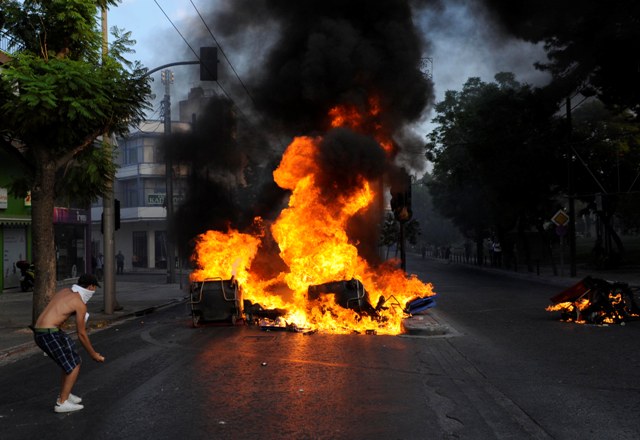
{"points": [[58, 345]]}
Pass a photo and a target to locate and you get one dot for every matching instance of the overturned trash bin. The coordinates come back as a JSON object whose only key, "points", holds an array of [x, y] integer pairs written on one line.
{"points": [[215, 300], [596, 301]]}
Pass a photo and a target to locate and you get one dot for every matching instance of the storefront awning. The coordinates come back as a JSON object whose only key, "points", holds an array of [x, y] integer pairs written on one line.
{"points": [[16, 221]]}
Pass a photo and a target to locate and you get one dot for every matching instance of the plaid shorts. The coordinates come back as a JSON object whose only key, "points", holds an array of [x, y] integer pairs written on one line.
{"points": [[59, 347]]}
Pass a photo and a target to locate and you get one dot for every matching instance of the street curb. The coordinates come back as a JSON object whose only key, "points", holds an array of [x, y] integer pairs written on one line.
{"points": [[95, 325], [16, 350], [424, 324]]}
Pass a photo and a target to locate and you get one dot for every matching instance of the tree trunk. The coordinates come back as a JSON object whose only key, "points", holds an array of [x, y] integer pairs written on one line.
{"points": [[42, 199]]}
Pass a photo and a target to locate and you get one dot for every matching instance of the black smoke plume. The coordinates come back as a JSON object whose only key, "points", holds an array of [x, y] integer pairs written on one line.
{"points": [[303, 58]]}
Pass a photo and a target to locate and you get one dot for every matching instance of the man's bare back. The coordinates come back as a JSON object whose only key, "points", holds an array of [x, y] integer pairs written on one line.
{"points": [[63, 304]]}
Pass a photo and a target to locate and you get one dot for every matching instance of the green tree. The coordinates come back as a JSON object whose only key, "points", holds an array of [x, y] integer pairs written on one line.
{"points": [[591, 45], [496, 159], [435, 229], [390, 233], [58, 94], [607, 149]]}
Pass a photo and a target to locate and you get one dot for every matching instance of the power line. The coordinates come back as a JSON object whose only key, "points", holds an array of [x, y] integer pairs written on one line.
{"points": [[242, 115], [177, 30], [194, 52], [222, 52]]}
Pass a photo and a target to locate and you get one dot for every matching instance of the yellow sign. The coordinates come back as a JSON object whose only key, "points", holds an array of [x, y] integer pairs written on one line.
{"points": [[560, 218]]}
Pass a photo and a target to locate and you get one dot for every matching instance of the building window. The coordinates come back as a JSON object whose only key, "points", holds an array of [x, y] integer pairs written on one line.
{"points": [[131, 147], [151, 152], [129, 193], [139, 257], [155, 190]]}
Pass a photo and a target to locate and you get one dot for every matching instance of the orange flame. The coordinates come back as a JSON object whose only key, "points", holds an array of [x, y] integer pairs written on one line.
{"points": [[350, 116], [314, 245]]}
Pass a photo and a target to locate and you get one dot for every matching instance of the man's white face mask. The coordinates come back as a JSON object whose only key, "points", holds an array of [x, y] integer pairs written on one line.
{"points": [[85, 294]]}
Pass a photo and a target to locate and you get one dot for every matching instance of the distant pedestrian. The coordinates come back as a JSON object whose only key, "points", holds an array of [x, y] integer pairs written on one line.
{"points": [[51, 339], [120, 262], [100, 266]]}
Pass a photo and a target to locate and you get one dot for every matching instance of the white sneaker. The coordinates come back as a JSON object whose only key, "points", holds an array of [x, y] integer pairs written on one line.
{"points": [[67, 406], [73, 398]]}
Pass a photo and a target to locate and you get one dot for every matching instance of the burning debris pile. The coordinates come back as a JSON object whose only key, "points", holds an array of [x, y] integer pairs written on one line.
{"points": [[345, 294], [322, 278], [596, 301]]}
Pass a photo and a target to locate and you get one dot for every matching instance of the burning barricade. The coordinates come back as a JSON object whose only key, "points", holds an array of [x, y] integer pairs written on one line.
{"points": [[307, 269], [338, 307], [596, 301]]}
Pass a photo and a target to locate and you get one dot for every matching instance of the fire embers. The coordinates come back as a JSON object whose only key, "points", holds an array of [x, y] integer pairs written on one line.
{"points": [[596, 301]]}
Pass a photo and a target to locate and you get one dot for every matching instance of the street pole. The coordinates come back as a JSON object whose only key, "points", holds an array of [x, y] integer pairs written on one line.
{"points": [[572, 207], [108, 212], [167, 80]]}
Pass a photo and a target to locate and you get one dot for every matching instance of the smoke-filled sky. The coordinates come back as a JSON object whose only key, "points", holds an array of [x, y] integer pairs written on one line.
{"points": [[460, 36], [290, 67]]}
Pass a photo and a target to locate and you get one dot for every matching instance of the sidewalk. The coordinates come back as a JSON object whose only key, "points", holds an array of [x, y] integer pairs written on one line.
{"points": [[136, 299]]}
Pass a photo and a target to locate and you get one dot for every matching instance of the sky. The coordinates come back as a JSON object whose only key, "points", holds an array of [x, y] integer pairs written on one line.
{"points": [[463, 42], [322, 60]]}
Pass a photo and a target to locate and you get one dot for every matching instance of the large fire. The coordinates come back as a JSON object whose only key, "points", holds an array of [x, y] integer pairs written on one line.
{"points": [[311, 234]]}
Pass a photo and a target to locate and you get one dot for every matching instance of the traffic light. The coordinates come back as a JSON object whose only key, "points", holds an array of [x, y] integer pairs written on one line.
{"points": [[116, 209], [116, 215], [208, 64], [401, 202]]}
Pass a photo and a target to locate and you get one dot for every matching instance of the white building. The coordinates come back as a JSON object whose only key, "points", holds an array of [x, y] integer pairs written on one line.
{"points": [[140, 187]]}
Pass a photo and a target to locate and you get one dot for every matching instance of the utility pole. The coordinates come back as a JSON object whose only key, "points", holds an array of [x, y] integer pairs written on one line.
{"points": [[570, 190], [208, 72], [167, 80], [108, 212]]}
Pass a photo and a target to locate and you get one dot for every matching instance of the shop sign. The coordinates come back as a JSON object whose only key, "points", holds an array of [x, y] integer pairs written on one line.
{"points": [[158, 199], [69, 215], [155, 199]]}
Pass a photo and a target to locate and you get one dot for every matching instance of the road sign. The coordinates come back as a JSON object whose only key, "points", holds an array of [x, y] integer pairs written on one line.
{"points": [[560, 218]]}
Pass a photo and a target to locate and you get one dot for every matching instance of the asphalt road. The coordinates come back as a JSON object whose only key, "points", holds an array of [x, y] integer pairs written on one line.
{"points": [[508, 370]]}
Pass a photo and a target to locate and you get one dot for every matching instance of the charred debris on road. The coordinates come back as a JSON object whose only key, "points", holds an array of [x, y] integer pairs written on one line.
{"points": [[596, 301]]}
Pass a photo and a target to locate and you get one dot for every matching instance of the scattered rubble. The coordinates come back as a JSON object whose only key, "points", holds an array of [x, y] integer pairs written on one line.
{"points": [[596, 301]]}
